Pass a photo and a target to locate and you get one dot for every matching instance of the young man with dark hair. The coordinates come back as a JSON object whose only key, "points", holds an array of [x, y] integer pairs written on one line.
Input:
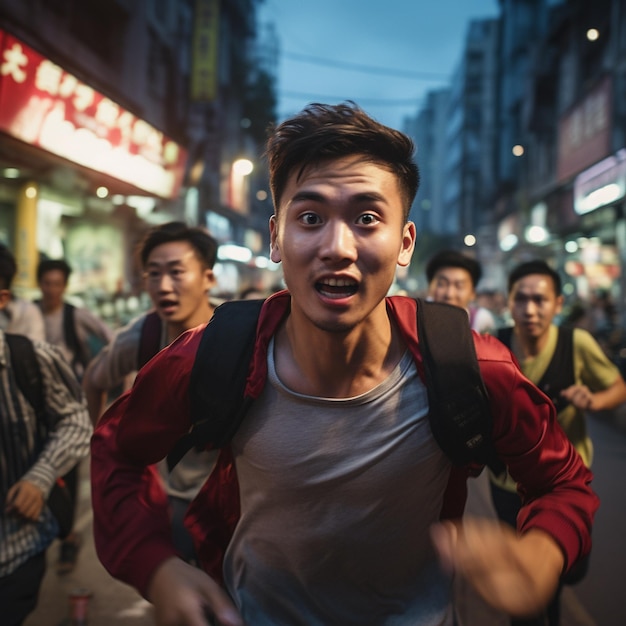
{"points": [[452, 278], [341, 487], [76, 331], [177, 262], [567, 364], [32, 456]]}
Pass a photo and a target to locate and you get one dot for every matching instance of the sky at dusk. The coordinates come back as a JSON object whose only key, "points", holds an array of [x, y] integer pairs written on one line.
{"points": [[383, 54]]}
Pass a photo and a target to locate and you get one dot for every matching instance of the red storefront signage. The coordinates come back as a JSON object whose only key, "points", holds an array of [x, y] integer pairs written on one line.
{"points": [[585, 132], [45, 106]]}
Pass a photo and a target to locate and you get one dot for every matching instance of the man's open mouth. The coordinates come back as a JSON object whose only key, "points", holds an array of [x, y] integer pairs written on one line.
{"points": [[337, 287]]}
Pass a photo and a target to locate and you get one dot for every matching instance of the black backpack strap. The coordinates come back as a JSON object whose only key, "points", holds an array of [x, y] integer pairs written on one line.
{"points": [[150, 339], [505, 335], [559, 374], [560, 371], [71, 336], [28, 377], [460, 415], [218, 377]]}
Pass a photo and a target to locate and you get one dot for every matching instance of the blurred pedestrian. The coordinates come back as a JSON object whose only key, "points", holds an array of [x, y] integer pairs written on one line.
{"points": [[78, 334], [177, 262], [565, 363], [452, 278], [32, 456], [22, 317], [340, 483], [76, 331]]}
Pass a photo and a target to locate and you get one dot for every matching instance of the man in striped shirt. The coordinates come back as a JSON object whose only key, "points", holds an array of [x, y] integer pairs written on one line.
{"points": [[31, 462]]}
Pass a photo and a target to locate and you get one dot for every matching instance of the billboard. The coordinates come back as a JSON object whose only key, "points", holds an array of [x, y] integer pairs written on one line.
{"points": [[46, 106]]}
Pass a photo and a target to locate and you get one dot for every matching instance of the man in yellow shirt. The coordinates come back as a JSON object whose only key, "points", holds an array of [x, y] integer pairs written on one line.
{"points": [[567, 364]]}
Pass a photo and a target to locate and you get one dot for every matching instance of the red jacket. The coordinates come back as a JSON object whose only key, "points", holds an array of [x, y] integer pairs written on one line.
{"points": [[131, 524]]}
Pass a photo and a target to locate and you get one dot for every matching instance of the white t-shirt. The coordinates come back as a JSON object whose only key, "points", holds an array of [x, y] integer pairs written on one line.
{"points": [[482, 320], [337, 497]]}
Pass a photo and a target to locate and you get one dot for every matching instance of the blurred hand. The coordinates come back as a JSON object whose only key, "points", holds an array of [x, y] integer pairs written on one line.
{"points": [[517, 574], [580, 396], [25, 499], [183, 595]]}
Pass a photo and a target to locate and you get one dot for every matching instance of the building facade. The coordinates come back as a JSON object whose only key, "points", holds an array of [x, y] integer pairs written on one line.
{"points": [[115, 116]]}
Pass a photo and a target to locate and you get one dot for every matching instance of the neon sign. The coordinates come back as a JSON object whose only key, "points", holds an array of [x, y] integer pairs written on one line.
{"points": [[43, 105]]}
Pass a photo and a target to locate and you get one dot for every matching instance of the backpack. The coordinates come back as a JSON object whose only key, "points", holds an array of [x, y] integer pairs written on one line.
{"points": [[81, 353], [29, 380], [150, 339], [560, 373], [459, 414], [80, 358]]}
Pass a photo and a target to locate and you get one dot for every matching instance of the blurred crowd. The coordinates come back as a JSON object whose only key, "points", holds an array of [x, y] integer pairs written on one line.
{"points": [[86, 364]]}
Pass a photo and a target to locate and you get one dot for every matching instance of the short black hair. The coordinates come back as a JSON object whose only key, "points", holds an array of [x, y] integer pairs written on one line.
{"points": [[204, 245], [50, 265], [454, 258], [536, 266], [321, 132], [8, 267]]}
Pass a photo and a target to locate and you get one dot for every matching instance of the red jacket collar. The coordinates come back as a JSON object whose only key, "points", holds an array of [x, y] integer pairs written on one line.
{"points": [[402, 310]]}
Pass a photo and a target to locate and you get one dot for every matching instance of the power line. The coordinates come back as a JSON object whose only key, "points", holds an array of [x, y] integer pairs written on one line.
{"points": [[297, 95], [368, 69]]}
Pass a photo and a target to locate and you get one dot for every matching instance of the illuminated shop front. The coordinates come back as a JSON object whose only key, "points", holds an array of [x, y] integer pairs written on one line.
{"points": [[70, 157]]}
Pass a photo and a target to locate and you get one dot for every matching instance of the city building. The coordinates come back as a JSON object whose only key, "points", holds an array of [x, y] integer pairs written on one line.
{"points": [[118, 114]]}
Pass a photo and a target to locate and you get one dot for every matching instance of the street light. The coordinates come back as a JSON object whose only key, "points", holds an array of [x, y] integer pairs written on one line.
{"points": [[593, 34], [243, 167], [238, 189]]}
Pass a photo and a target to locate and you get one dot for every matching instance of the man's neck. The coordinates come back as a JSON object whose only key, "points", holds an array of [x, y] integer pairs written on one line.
{"points": [[316, 362], [51, 307], [529, 347], [202, 316]]}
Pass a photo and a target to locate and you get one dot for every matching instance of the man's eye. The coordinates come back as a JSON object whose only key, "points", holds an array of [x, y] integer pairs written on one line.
{"points": [[367, 219], [310, 218]]}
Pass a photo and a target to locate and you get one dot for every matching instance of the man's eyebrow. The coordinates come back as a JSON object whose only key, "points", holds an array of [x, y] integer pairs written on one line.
{"points": [[169, 263], [315, 196], [302, 196]]}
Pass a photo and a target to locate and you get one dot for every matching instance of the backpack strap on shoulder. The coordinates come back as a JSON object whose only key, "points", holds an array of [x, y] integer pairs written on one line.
{"points": [[150, 338], [460, 415], [218, 377], [28, 376], [505, 335], [560, 373], [71, 336]]}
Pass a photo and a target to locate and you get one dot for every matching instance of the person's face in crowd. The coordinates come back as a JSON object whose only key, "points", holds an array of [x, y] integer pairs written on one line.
{"points": [[339, 233], [178, 283], [452, 285], [52, 285], [533, 303]]}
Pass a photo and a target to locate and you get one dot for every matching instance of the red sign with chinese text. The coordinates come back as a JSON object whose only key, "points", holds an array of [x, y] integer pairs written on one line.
{"points": [[45, 106]]}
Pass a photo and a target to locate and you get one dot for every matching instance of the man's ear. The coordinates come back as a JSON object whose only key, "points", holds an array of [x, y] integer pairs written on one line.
{"points": [[5, 296], [408, 244], [560, 300], [210, 278], [274, 251]]}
